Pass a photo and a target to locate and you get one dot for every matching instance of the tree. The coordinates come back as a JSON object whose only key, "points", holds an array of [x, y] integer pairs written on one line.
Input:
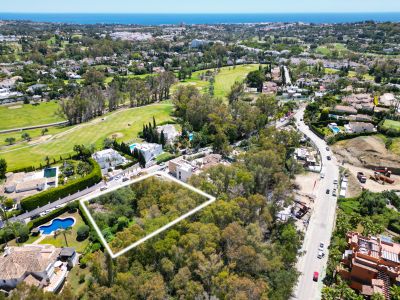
{"points": [[26, 136], [162, 138], [237, 90], [64, 232], [82, 232], [395, 292], [47, 160], [44, 131], [3, 168], [10, 140], [83, 168], [256, 79]]}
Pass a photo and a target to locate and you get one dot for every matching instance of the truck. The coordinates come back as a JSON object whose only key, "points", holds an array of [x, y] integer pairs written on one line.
{"points": [[383, 171], [382, 178], [361, 177]]}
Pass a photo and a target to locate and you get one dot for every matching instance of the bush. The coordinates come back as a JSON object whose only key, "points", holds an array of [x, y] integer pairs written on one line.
{"points": [[82, 232], [52, 195]]}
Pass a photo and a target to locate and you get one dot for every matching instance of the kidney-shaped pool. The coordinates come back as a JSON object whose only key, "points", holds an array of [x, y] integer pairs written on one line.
{"points": [[57, 224]]}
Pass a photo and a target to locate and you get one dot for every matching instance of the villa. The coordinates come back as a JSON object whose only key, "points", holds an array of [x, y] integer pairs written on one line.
{"points": [[43, 266], [109, 158], [149, 150], [170, 132], [180, 168], [360, 127]]}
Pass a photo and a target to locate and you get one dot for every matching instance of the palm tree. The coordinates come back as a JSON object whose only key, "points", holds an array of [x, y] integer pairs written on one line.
{"points": [[64, 232]]}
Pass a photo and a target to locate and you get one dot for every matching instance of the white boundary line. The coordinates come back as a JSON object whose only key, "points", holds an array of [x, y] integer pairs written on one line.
{"points": [[210, 198]]}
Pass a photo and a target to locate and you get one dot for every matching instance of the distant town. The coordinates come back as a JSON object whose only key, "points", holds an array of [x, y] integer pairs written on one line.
{"points": [[294, 128]]}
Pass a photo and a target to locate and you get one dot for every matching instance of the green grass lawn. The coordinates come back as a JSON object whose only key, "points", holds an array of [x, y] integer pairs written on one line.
{"points": [[126, 124], [59, 241], [223, 80], [328, 49], [23, 115], [391, 124]]}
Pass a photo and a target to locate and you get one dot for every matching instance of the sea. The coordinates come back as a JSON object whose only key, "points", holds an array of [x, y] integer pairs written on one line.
{"points": [[215, 18]]}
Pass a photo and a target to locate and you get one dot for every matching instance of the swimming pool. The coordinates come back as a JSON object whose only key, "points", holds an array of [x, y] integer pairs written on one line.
{"points": [[132, 147], [335, 129], [57, 224], [50, 172]]}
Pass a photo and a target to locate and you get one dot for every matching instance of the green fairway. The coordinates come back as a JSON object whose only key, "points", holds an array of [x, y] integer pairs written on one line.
{"points": [[23, 115], [124, 125], [223, 80]]}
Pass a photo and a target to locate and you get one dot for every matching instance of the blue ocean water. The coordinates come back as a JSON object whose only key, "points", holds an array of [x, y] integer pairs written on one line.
{"points": [[160, 19]]}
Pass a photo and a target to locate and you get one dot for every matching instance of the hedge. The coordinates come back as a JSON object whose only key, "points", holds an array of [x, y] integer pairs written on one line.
{"points": [[317, 131], [50, 216], [54, 194]]}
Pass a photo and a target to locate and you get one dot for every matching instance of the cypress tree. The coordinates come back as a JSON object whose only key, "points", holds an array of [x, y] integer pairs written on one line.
{"points": [[162, 139]]}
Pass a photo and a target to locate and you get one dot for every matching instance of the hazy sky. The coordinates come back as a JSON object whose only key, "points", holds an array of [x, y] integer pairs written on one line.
{"points": [[198, 6]]}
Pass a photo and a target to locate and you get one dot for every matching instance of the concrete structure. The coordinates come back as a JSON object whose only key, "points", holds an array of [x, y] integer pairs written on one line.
{"points": [[37, 265], [170, 132], [149, 151], [371, 264], [180, 168], [109, 158]]}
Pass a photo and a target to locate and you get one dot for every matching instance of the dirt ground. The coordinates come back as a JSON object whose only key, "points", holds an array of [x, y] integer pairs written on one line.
{"points": [[306, 183], [371, 185], [366, 150]]}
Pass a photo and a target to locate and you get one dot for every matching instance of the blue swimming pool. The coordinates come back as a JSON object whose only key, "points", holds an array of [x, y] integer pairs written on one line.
{"points": [[57, 224], [132, 147], [335, 129]]}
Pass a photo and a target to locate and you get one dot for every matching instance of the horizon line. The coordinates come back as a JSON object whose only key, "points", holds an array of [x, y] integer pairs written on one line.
{"points": [[201, 13]]}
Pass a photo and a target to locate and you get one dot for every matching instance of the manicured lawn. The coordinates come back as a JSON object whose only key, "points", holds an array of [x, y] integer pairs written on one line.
{"points": [[391, 124], [223, 80], [59, 240], [23, 115], [126, 124]]}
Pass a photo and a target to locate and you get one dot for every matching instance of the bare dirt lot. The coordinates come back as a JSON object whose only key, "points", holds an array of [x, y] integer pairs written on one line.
{"points": [[365, 151], [361, 154]]}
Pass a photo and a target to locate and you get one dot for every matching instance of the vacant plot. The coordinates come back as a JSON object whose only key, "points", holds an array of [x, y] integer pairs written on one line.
{"points": [[128, 122], [28, 115], [128, 214]]}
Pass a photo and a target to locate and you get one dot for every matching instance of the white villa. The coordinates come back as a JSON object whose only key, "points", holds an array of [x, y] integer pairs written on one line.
{"points": [[109, 158], [170, 132], [149, 150]]}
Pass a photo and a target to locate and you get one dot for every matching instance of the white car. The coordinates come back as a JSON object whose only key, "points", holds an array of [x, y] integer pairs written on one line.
{"points": [[321, 246], [322, 175], [321, 254]]}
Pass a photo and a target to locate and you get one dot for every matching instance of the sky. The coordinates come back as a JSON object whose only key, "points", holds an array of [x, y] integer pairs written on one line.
{"points": [[198, 6]]}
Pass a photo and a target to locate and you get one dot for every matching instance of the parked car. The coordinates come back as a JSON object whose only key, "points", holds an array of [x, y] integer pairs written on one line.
{"points": [[320, 255], [328, 191], [334, 192], [327, 148], [328, 157], [321, 246], [125, 179], [335, 181], [315, 276], [322, 175], [103, 188]]}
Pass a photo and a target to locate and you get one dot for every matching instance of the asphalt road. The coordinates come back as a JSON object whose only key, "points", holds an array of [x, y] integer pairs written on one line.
{"points": [[115, 180], [321, 223]]}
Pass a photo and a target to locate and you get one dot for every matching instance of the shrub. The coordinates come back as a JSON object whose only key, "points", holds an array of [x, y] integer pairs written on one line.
{"points": [[52, 195], [82, 232]]}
